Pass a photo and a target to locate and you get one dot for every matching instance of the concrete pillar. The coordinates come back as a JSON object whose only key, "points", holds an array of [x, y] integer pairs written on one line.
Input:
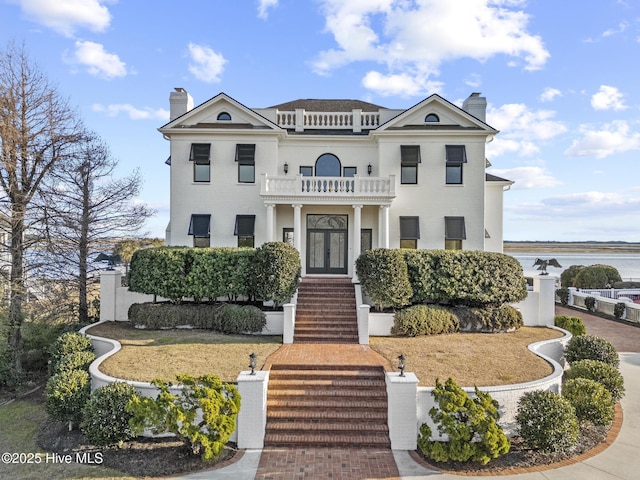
{"points": [[357, 247], [402, 396], [297, 228], [384, 227], [252, 418], [363, 324], [271, 222], [289, 323], [110, 281], [545, 285]]}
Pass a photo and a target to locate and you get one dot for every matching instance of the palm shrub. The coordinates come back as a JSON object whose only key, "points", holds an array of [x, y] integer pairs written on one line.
{"points": [[67, 393], [470, 425], [547, 422], [592, 402], [424, 320], [575, 325], [178, 413], [601, 372], [589, 347], [105, 420], [384, 277]]}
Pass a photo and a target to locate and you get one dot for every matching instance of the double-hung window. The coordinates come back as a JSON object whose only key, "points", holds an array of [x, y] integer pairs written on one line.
{"points": [[456, 157], [200, 156], [454, 233], [409, 160], [200, 228], [245, 230], [246, 158], [409, 232]]}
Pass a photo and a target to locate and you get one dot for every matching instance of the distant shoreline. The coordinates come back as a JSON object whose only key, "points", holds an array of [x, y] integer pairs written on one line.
{"points": [[571, 247]]}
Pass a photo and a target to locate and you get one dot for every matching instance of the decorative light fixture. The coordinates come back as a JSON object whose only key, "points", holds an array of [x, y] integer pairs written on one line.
{"points": [[401, 364], [369, 169], [286, 168], [252, 363]]}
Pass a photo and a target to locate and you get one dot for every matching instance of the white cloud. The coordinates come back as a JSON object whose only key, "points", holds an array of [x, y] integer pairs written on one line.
{"points": [[549, 94], [622, 26], [134, 113], [612, 138], [66, 16], [415, 38], [206, 65], [264, 6], [96, 60], [521, 129], [608, 98], [402, 84], [528, 177]]}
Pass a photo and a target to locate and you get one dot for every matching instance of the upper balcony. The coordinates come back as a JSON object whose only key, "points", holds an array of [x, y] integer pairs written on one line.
{"points": [[329, 190], [354, 121]]}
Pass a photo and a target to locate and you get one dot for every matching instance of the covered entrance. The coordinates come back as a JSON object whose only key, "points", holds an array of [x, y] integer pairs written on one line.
{"points": [[327, 244]]}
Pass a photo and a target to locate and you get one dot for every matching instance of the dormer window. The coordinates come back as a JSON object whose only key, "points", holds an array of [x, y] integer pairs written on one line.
{"points": [[431, 118], [224, 117]]}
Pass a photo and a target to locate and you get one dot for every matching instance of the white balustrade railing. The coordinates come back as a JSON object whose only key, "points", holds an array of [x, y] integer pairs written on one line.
{"points": [[328, 186], [355, 120]]}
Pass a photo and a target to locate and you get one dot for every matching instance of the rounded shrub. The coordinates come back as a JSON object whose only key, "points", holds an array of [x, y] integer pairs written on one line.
{"points": [[591, 277], [384, 277], [568, 276], [605, 374], [591, 401], [105, 418], [232, 318], [274, 272], [590, 304], [488, 319], [588, 347], [547, 422], [575, 325], [424, 320], [618, 309], [73, 361], [69, 342], [67, 393], [563, 296]]}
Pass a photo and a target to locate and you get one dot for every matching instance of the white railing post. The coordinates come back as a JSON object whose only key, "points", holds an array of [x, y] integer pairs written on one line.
{"points": [[357, 119], [299, 120], [363, 324], [289, 323], [402, 414], [252, 417]]}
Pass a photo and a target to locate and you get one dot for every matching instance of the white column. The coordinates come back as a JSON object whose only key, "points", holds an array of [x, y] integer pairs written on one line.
{"points": [[357, 247], [270, 222], [110, 280], [252, 417], [297, 228], [545, 285], [384, 227]]}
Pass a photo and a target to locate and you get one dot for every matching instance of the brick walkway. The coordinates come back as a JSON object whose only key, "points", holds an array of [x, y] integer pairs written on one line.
{"points": [[326, 463]]}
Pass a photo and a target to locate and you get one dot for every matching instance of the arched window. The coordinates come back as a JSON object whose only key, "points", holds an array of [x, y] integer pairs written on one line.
{"points": [[224, 116], [328, 165], [431, 118]]}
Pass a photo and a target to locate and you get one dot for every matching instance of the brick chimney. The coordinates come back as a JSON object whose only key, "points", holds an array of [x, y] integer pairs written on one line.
{"points": [[180, 103], [476, 105]]}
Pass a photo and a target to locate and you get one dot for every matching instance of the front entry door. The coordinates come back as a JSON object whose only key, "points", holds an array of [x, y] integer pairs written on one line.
{"points": [[327, 251]]}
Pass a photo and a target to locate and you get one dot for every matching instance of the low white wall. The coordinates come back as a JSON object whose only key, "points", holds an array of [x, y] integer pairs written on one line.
{"points": [[508, 396], [605, 304]]}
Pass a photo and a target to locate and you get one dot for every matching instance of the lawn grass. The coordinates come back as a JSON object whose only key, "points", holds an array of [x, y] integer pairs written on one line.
{"points": [[150, 354], [20, 422], [481, 359]]}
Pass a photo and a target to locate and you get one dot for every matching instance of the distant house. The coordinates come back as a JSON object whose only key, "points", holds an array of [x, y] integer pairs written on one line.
{"points": [[332, 177]]}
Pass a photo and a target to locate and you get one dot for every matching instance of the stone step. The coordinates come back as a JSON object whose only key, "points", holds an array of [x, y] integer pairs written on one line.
{"points": [[295, 427], [293, 414], [320, 439], [307, 373], [312, 404], [315, 327], [315, 339], [325, 393], [328, 367], [326, 383]]}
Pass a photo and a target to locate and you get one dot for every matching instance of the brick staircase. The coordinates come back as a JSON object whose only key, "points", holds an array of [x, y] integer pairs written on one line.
{"points": [[326, 311], [326, 406]]}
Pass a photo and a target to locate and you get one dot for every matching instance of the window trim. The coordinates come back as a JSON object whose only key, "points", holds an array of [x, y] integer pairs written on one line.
{"points": [[328, 155], [344, 171], [455, 228], [431, 118], [245, 231], [224, 117], [310, 169]]}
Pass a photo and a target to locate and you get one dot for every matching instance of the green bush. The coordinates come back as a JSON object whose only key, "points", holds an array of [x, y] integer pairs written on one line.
{"points": [[563, 295], [69, 342], [38, 340], [232, 319], [603, 373], [591, 401], [168, 315], [424, 320], [547, 422], [274, 272], [470, 425], [217, 403], [74, 361], [105, 418], [67, 393], [422, 274], [590, 304], [596, 276], [488, 319], [588, 347], [384, 277], [575, 325], [219, 272], [568, 276], [161, 271], [618, 309], [9, 376]]}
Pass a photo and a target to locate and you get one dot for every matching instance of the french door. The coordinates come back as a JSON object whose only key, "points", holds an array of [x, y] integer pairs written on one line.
{"points": [[327, 251]]}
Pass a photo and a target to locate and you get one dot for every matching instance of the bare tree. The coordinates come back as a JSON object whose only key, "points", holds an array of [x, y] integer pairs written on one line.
{"points": [[37, 130], [87, 210]]}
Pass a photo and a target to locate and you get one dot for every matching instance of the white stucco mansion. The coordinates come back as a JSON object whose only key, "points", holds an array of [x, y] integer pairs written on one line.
{"points": [[332, 177]]}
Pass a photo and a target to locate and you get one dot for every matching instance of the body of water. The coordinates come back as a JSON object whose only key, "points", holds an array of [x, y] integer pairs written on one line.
{"points": [[628, 264]]}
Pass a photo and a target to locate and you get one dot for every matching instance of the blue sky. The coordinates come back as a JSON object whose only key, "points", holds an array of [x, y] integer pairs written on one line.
{"points": [[561, 79]]}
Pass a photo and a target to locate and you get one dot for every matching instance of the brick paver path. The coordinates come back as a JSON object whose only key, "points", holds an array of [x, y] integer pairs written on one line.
{"points": [[326, 463]]}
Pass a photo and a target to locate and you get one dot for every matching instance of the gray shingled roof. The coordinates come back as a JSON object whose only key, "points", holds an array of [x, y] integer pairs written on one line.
{"points": [[318, 105], [494, 178]]}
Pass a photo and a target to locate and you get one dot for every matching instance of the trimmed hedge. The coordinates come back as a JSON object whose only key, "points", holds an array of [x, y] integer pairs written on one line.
{"points": [[74, 361], [105, 419], [221, 317], [67, 393], [575, 325], [384, 277], [603, 373], [424, 320], [592, 402], [219, 272], [67, 343], [161, 271], [489, 319], [588, 347], [274, 272]]}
